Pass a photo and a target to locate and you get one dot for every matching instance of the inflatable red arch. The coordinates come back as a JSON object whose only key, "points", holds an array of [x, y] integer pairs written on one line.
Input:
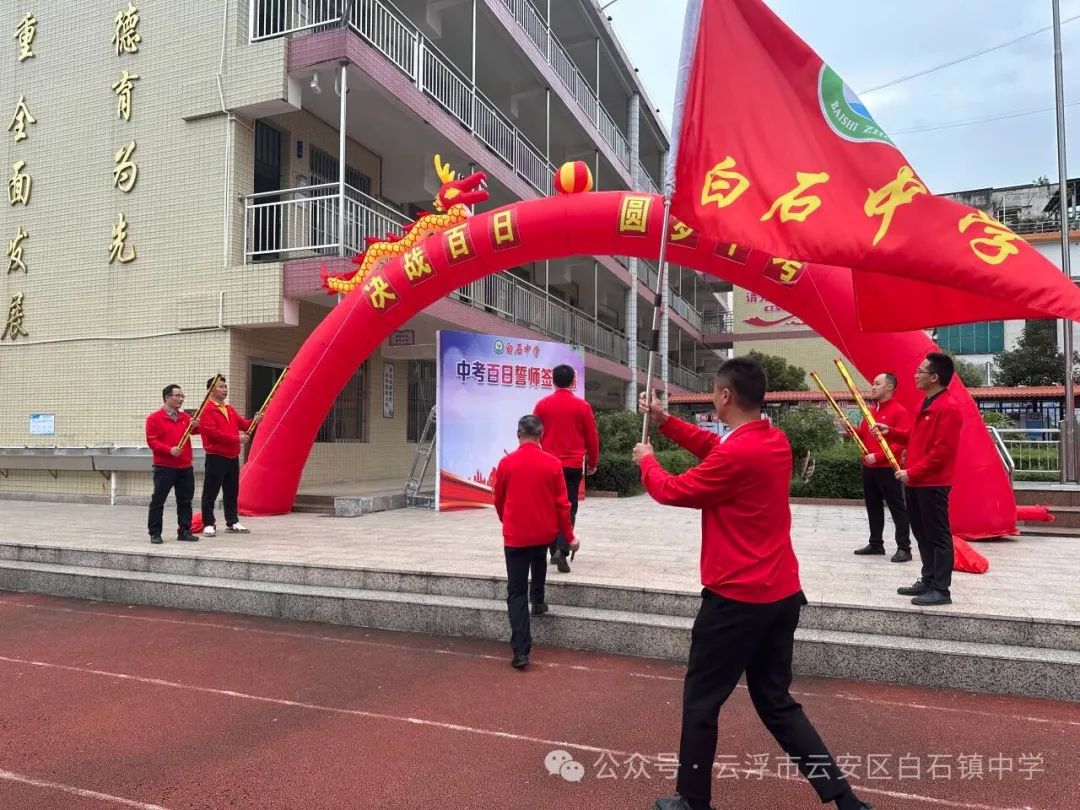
{"points": [[600, 223]]}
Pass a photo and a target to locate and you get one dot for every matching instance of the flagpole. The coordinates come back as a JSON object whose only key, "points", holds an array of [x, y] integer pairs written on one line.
{"points": [[658, 306], [1068, 424]]}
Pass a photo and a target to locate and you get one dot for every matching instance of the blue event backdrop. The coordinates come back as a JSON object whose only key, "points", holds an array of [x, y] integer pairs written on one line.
{"points": [[485, 383]]}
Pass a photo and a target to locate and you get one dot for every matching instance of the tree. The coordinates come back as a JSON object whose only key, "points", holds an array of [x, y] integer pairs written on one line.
{"points": [[1041, 180], [970, 374], [782, 375], [809, 428], [1036, 359]]}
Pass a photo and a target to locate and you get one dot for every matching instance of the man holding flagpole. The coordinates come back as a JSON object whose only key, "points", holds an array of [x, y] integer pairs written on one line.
{"points": [[880, 486], [751, 595]]}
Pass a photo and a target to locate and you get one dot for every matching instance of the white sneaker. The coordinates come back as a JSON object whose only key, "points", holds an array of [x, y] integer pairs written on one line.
{"points": [[237, 527], [209, 531]]}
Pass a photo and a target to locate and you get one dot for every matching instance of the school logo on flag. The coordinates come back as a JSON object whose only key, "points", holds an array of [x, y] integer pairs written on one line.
{"points": [[846, 115]]}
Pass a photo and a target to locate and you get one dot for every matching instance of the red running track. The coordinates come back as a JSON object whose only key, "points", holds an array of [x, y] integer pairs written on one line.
{"points": [[107, 706]]}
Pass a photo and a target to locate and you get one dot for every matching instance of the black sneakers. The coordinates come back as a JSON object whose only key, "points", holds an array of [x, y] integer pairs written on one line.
{"points": [[902, 555], [186, 536], [870, 549], [539, 609], [918, 589], [156, 539]]}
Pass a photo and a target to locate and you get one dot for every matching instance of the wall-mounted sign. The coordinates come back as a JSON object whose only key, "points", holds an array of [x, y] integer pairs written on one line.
{"points": [[42, 424], [402, 337]]}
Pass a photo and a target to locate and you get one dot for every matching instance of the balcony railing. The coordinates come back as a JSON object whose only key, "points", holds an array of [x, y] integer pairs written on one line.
{"points": [[535, 28], [677, 374], [389, 31], [525, 305], [717, 322], [682, 376], [647, 275], [301, 222], [304, 222], [645, 182]]}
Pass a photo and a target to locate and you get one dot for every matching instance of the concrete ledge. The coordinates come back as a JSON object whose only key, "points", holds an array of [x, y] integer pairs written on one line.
{"points": [[950, 663], [904, 621]]}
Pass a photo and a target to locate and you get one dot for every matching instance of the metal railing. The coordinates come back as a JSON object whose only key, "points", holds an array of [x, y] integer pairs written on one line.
{"points": [[274, 18], [535, 28], [299, 222], [389, 31], [645, 181], [684, 377], [1002, 451], [677, 374], [521, 303], [303, 222], [717, 322], [647, 274], [1035, 453]]}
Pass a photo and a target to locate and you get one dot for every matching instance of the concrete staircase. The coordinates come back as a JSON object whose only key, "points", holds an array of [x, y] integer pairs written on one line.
{"points": [[1063, 501], [357, 505], [1006, 655]]}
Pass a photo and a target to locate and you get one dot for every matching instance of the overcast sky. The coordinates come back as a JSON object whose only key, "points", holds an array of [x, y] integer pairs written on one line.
{"points": [[871, 42]]}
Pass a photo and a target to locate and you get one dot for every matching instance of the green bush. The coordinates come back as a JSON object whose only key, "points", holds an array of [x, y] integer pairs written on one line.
{"points": [[810, 429], [616, 473], [997, 420], [837, 474], [621, 430], [1035, 475], [676, 462]]}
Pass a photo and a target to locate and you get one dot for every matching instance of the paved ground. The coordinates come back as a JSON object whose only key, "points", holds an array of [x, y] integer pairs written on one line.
{"points": [[629, 541], [108, 706]]}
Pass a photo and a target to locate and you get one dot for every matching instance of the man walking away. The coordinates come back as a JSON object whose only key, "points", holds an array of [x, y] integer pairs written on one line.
{"points": [[531, 502], [570, 435]]}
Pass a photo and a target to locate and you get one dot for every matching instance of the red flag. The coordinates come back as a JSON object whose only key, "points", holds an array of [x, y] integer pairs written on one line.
{"points": [[775, 152]]}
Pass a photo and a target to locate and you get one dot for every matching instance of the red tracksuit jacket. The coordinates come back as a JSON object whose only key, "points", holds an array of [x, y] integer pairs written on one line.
{"points": [[932, 442], [221, 431], [741, 488], [163, 434], [530, 497], [569, 428], [893, 414]]}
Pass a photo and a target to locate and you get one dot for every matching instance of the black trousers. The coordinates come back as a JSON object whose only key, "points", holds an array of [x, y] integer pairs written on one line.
{"points": [[222, 475], [880, 487], [519, 592], [729, 638], [167, 479], [573, 484], [928, 508]]}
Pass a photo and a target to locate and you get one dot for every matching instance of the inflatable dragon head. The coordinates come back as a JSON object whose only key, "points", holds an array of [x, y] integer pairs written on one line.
{"points": [[467, 191]]}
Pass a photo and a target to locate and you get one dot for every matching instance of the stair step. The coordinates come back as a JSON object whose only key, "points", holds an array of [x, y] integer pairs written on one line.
{"points": [[977, 666], [1049, 530], [891, 621]]}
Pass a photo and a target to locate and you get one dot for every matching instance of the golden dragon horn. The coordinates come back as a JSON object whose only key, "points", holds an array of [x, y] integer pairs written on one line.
{"points": [[443, 170]]}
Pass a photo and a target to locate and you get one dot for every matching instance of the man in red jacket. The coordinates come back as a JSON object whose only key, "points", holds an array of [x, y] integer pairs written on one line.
{"points": [[172, 464], [880, 486], [570, 435], [752, 597], [223, 431], [931, 457], [531, 502]]}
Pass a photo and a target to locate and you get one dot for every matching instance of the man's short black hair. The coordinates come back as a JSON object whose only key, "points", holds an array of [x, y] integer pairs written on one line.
{"points": [[746, 378], [166, 392], [211, 381], [890, 378], [530, 427], [562, 376], [942, 365]]}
